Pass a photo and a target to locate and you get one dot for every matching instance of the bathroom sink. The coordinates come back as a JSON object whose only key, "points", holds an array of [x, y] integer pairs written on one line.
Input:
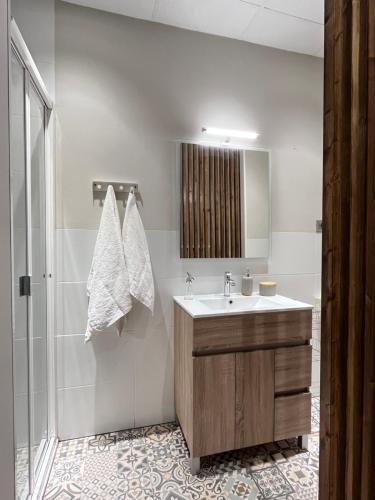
{"points": [[217, 305], [237, 303]]}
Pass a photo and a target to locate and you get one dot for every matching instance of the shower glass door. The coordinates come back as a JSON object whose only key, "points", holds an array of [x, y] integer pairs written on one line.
{"points": [[30, 314], [38, 297], [20, 310]]}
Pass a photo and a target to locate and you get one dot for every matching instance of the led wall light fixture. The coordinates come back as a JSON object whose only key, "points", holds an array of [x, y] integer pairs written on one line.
{"points": [[225, 132]]}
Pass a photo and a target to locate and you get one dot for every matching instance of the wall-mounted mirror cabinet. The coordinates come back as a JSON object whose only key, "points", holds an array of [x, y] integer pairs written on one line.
{"points": [[225, 202]]}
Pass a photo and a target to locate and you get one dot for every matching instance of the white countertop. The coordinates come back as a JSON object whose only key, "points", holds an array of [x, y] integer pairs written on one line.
{"points": [[203, 306]]}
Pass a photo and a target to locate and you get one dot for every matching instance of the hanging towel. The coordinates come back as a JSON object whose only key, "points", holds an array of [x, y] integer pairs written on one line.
{"points": [[108, 283], [137, 256]]}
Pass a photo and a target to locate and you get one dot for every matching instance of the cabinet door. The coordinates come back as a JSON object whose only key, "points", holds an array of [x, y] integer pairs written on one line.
{"points": [[293, 368], [214, 404], [292, 416], [255, 387]]}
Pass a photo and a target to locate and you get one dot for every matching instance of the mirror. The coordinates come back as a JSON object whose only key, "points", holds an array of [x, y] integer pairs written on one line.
{"points": [[256, 203], [225, 202]]}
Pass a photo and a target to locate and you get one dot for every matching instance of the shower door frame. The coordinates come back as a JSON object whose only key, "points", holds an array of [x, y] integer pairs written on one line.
{"points": [[39, 476]]}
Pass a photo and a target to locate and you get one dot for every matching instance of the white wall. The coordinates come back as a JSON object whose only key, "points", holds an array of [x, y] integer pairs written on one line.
{"points": [[36, 21], [126, 90]]}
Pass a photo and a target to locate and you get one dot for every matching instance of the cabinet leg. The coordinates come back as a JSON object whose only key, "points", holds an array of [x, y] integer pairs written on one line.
{"points": [[303, 442], [195, 465]]}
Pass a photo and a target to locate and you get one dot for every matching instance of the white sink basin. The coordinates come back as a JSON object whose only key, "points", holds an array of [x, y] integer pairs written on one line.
{"points": [[217, 305], [237, 303]]}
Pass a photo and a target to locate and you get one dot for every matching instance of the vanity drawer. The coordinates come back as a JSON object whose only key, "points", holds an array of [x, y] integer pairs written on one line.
{"points": [[241, 332], [292, 416], [293, 368]]}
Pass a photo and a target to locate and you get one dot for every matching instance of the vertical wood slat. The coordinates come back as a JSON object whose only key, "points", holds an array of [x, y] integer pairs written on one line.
{"points": [[368, 438], [347, 461], [207, 228], [210, 202], [227, 203], [237, 191], [357, 277], [222, 204], [232, 202], [185, 204], [196, 200], [217, 204], [191, 198], [202, 234]]}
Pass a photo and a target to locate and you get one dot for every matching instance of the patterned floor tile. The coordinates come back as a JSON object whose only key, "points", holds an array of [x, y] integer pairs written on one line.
{"points": [[64, 471], [271, 482], [71, 449], [152, 463], [130, 437], [299, 474], [22, 472], [174, 476], [97, 489], [100, 465], [132, 462], [64, 491], [138, 494], [241, 487], [102, 442]]}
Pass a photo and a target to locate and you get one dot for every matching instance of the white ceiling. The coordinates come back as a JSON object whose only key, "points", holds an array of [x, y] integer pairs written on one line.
{"points": [[295, 25]]}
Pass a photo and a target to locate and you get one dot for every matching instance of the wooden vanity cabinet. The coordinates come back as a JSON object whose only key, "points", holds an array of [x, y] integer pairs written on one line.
{"points": [[242, 380]]}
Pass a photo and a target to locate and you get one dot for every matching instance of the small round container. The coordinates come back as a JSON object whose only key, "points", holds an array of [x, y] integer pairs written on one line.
{"points": [[267, 288]]}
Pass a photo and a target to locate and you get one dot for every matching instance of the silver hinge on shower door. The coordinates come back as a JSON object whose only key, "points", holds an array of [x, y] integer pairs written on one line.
{"points": [[25, 288]]}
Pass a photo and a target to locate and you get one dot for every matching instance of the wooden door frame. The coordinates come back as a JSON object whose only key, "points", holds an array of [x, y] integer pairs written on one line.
{"points": [[347, 435]]}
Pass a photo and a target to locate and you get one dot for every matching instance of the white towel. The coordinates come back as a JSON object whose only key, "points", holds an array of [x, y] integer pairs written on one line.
{"points": [[108, 284], [137, 256]]}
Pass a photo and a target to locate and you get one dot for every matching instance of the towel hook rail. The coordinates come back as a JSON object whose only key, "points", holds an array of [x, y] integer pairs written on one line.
{"points": [[118, 187]]}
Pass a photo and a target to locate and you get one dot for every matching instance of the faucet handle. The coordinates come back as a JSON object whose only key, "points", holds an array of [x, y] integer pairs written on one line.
{"points": [[189, 278]]}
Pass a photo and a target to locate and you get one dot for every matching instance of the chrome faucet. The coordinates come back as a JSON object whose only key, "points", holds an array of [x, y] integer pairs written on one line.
{"points": [[228, 282]]}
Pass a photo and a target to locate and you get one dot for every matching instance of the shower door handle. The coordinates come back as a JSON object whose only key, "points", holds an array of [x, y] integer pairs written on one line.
{"points": [[25, 288]]}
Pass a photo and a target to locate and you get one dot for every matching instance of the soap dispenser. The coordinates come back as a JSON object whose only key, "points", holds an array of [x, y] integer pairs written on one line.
{"points": [[189, 286], [247, 283]]}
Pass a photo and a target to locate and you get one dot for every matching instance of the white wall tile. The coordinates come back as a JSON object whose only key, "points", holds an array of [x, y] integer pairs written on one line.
{"points": [[292, 253], [21, 419], [20, 319], [140, 364], [315, 376], [39, 348], [318, 253], [84, 411], [75, 248], [296, 286], [154, 379], [71, 308], [20, 367], [76, 417], [106, 358]]}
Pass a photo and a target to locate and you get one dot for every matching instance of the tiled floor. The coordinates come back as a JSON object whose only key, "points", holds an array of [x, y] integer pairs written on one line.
{"points": [[152, 463], [22, 473]]}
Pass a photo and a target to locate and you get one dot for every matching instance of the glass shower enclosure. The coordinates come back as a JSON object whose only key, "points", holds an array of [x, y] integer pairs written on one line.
{"points": [[30, 111]]}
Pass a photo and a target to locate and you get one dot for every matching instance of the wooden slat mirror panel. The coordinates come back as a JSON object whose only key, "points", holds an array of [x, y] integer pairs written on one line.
{"points": [[210, 202]]}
